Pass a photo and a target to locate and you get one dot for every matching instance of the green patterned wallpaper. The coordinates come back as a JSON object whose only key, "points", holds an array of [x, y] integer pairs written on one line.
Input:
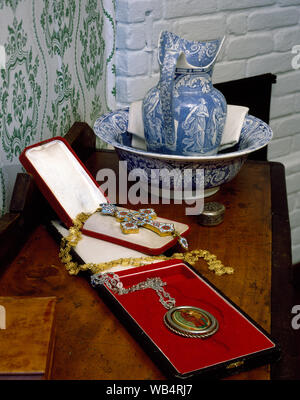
{"points": [[59, 68]]}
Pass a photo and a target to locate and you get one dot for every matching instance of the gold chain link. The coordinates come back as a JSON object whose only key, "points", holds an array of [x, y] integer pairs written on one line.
{"points": [[74, 236]]}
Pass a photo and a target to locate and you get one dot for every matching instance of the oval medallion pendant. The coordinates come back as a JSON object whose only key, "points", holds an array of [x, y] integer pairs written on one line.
{"points": [[191, 322]]}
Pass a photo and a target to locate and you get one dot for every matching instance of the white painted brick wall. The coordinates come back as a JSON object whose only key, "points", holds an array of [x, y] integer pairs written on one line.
{"points": [[260, 35], [250, 45], [237, 24], [273, 18], [189, 8]]}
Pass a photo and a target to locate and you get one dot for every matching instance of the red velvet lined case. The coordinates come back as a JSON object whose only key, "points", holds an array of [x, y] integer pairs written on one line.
{"points": [[239, 343], [71, 189]]}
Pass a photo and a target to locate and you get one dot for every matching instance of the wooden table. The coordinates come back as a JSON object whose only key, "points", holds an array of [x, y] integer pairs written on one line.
{"points": [[254, 239]]}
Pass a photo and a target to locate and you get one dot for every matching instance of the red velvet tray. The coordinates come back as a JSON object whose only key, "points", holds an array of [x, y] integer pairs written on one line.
{"points": [[70, 189], [239, 343]]}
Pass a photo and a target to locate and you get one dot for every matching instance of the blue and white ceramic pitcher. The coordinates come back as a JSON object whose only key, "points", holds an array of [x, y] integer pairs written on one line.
{"points": [[184, 114]]}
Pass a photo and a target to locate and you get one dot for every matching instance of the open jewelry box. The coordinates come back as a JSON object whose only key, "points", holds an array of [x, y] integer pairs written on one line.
{"points": [[71, 189], [238, 344]]}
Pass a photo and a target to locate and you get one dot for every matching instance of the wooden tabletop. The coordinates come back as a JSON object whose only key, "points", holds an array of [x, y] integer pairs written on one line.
{"points": [[90, 341]]}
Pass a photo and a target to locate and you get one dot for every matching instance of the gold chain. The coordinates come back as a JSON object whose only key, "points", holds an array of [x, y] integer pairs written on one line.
{"points": [[74, 236]]}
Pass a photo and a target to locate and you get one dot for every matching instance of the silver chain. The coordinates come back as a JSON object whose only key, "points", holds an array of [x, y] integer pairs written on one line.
{"points": [[113, 282]]}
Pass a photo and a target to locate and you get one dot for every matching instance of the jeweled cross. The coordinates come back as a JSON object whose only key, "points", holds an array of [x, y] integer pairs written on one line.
{"points": [[131, 221]]}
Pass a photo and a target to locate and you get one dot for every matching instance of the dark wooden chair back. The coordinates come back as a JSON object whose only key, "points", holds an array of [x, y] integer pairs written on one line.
{"points": [[255, 93]]}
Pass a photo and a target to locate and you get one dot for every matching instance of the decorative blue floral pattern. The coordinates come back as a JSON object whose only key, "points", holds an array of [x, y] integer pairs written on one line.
{"points": [[218, 169], [215, 173], [184, 113], [116, 124], [197, 54]]}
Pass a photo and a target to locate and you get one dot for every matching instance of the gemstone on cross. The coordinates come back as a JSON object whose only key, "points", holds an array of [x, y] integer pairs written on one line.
{"points": [[122, 214], [108, 209], [129, 227], [131, 221], [162, 228]]}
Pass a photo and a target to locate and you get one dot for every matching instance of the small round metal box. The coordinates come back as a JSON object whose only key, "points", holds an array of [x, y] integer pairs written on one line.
{"points": [[212, 214]]}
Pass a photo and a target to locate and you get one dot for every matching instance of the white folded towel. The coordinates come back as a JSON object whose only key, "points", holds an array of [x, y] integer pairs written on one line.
{"points": [[233, 125], [231, 135]]}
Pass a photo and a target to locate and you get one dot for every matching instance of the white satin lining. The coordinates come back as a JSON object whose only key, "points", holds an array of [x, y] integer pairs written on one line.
{"points": [[66, 178]]}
